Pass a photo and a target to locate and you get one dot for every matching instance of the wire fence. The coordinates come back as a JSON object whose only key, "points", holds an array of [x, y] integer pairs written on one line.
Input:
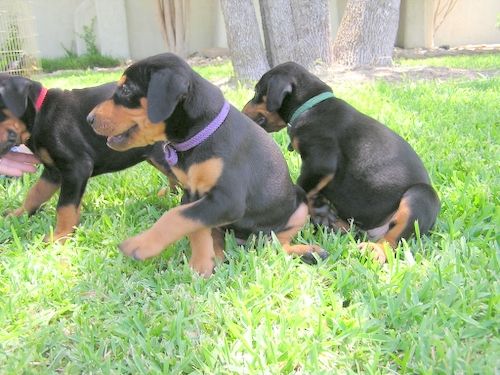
{"points": [[19, 52]]}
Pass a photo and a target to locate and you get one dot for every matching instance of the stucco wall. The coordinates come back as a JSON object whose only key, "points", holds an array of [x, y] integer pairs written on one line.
{"points": [[471, 22], [54, 25]]}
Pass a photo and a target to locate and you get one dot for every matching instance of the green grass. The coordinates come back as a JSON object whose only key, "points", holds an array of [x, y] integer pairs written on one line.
{"points": [[78, 62], [477, 62], [82, 307]]}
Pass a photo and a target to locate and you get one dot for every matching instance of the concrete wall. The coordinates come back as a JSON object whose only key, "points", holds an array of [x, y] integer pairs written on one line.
{"points": [[55, 26], [131, 28], [470, 22]]}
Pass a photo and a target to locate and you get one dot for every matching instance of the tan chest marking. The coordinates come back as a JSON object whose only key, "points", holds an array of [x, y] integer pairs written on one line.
{"points": [[201, 177]]}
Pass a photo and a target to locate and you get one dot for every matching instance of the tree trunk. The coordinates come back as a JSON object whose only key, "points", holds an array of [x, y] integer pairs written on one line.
{"points": [[312, 27], [173, 19], [367, 33], [243, 38], [280, 36]]}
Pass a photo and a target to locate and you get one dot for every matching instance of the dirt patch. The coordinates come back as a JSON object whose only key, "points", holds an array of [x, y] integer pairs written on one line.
{"points": [[423, 53], [339, 74]]}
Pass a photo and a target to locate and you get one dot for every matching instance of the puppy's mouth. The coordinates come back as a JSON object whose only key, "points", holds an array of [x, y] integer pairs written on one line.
{"points": [[12, 139], [119, 140], [5, 147]]}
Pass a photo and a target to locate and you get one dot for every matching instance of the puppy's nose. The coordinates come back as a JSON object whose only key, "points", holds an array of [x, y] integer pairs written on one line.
{"points": [[91, 118]]}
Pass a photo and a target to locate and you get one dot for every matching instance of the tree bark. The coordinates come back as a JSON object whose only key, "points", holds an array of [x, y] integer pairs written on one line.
{"points": [[280, 36], [312, 27], [367, 33], [244, 40]]}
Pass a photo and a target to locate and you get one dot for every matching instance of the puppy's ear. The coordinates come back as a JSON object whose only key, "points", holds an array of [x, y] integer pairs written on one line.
{"points": [[166, 88], [15, 94], [277, 89]]}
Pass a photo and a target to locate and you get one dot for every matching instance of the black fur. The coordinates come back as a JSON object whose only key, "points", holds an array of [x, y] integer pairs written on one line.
{"points": [[373, 167]]}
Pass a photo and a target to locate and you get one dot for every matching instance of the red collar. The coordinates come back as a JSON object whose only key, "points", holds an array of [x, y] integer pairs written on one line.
{"points": [[40, 99]]}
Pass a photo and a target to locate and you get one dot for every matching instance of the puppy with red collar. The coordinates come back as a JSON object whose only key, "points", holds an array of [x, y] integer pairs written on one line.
{"points": [[52, 124], [368, 173]]}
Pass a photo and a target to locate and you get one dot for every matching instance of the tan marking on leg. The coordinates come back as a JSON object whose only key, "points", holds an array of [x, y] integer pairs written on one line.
{"points": [[68, 218], [321, 184], [400, 221], [39, 193], [169, 228], [390, 240], [295, 223], [218, 238], [202, 252], [44, 156]]}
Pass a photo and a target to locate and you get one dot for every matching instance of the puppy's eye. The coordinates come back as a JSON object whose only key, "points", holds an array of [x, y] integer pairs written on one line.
{"points": [[261, 120], [126, 90]]}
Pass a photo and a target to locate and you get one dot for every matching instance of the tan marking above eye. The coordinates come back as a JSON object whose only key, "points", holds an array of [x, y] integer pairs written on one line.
{"points": [[122, 80]]}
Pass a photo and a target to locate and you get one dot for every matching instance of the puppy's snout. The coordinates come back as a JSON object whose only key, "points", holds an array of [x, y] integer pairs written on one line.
{"points": [[91, 118]]}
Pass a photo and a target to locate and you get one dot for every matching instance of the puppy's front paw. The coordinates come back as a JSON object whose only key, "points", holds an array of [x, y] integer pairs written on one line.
{"points": [[312, 256], [377, 249], [204, 266], [141, 247], [59, 238]]}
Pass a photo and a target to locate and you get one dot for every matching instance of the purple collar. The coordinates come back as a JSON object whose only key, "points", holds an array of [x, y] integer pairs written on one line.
{"points": [[171, 148]]}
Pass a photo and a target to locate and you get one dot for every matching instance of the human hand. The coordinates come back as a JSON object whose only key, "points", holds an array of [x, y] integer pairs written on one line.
{"points": [[14, 164]]}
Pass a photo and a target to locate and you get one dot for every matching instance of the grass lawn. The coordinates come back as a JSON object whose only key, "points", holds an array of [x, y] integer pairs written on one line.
{"points": [[480, 62], [82, 307]]}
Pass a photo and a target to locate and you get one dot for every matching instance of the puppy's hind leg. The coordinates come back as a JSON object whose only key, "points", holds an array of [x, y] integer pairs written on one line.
{"points": [[420, 204], [294, 224]]}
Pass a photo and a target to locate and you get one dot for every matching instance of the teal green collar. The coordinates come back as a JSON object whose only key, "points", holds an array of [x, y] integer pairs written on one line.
{"points": [[309, 104]]}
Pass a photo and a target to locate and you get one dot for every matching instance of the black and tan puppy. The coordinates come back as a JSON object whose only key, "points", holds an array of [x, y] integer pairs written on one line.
{"points": [[52, 123], [368, 173], [233, 174]]}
